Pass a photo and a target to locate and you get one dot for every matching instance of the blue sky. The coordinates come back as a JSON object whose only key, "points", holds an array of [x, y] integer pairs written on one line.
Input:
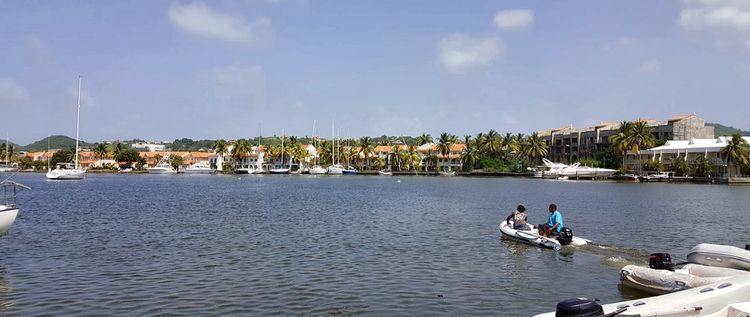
{"points": [[160, 70]]}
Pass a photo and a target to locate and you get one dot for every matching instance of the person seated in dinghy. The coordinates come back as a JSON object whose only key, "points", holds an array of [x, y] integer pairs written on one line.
{"points": [[554, 223], [519, 218]]}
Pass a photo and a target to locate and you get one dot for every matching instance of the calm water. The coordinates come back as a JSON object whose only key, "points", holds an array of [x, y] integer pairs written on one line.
{"points": [[273, 245]]}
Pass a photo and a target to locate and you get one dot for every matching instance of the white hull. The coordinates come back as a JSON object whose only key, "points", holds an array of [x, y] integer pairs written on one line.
{"points": [[720, 256], [448, 173], [8, 169], [317, 170], [385, 173], [532, 237], [335, 170], [586, 172], [349, 172], [7, 217], [279, 171], [663, 281], [66, 174], [161, 170], [729, 298]]}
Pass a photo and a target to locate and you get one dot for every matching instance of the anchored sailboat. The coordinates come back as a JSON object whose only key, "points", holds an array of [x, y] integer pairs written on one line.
{"points": [[66, 170]]}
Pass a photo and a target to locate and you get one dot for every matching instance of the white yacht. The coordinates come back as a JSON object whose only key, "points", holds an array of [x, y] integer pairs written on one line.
{"points": [[8, 208], [199, 168], [66, 171], [564, 171], [163, 167], [385, 172]]}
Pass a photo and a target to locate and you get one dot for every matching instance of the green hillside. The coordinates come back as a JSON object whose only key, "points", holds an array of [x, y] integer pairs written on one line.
{"points": [[55, 142], [722, 130]]}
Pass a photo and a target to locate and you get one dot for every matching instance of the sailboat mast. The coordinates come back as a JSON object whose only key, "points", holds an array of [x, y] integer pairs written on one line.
{"points": [[283, 136], [7, 148], [333, 142], [78, 119]]}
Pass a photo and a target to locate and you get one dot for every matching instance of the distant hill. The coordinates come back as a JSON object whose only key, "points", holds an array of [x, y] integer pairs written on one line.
{"points": [[55, 142], [722, 130]]}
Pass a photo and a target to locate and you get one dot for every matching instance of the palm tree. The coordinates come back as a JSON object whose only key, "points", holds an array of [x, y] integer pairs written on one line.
{"points": [[241, 148], [100, 150], [299, 153], [424, 139], [117, 150], [492, 145], [640, 138], [397, 155], [506, 143], [470, 155], [620, 140], [445, 141], [736, 152], [366, 146], [220, 147], [411, 157], [536, 147]]}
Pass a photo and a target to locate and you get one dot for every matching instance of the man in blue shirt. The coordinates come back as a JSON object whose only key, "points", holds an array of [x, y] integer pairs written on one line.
{"points": [[554, 222]]}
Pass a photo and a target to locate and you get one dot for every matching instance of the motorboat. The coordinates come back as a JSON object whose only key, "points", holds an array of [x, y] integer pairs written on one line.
{"points": [[385, 172], [728, 298], [548, 170], [447, 173], [532, 237], [279, 171], [335, 169], [561, 170], [349, 171], [661, 281], [317, 170], [199, 168], [163, 167], [720, 256], [656, 176], [66, 171], [8, 207]]}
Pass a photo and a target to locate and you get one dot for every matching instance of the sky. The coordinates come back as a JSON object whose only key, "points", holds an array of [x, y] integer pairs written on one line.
{"points": [[160, 70]]}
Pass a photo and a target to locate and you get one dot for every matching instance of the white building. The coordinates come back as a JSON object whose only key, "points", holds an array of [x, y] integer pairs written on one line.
{"points": [[149, 147], [687, 150]]}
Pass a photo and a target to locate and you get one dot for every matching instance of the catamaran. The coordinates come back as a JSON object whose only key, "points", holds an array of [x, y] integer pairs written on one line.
{"points": [[66, 170]]}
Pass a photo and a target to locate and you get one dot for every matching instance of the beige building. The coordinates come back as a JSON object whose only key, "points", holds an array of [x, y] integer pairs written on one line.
{"points": [[569, 144]]}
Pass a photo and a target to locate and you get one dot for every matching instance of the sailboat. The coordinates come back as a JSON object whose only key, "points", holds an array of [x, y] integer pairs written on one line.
{"points": [[258, 169], [316, 169], [281, 170], [8, 208], [335, 168], [65, 171], [6, 167]]}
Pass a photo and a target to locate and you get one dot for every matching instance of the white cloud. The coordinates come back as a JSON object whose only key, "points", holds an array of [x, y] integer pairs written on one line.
{"points": [[235, 80], [200, 20], [459, 52], [11, 91], [650, 67], [723, 17], [514, 19]]}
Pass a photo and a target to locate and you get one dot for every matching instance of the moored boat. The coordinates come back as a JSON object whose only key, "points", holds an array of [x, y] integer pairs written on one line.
{"points": [[163, 167], [385, 172], [66, 171], [661, 281], [199, 168], [728, 298], [349, 171], [8, 207], [720, 256]]}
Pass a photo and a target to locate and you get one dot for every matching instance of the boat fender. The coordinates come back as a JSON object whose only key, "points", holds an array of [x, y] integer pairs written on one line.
{"points": [[660, 261], [565, 236], [579, 307]]}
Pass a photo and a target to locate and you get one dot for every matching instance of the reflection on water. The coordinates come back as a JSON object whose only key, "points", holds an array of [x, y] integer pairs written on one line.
{"points": [[147, 245]]}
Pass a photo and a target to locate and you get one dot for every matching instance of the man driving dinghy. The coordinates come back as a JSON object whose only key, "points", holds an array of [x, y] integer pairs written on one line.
{"points": [[519, 218], [554, 223]]}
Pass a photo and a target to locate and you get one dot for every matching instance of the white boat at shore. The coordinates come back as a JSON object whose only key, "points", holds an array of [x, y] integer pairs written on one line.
{"points": [[655, 281], [728, 298], [163, 167], [349, 170], [385, 172], [447, 173], [563, 171], [282, 169], [66, 171], [720, 255], [8, 207], [199, 168]]}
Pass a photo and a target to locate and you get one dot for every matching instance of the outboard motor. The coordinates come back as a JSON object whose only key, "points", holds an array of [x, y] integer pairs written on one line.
{"points": [[660, 261], [565, 236], [579, 307], [747, 247]]}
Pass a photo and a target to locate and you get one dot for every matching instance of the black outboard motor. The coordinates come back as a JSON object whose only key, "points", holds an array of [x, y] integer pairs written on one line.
{"points": [[660, 261], [579, 307], [747, 247], [565, 236]]}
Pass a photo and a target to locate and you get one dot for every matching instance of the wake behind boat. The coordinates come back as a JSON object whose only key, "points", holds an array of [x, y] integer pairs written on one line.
{"points": [[532, 237]]}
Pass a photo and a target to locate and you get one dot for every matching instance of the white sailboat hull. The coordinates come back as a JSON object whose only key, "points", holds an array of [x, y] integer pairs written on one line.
{"points": [[279, 171], [66, 174], [7, 217], [317, 170], [335, 170], [161, 170]]}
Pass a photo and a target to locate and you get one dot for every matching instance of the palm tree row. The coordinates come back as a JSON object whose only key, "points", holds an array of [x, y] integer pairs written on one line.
{"points": [[632, 137]]}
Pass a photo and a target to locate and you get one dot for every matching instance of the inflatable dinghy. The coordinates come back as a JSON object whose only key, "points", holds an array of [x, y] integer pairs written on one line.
{"points": [[729, 298], [531, 236], [720, 256], [659, 282]]}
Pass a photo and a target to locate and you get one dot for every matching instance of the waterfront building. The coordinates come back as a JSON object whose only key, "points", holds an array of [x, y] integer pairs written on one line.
{"points": [[150, 147], [688, 151], [569, 144]]}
